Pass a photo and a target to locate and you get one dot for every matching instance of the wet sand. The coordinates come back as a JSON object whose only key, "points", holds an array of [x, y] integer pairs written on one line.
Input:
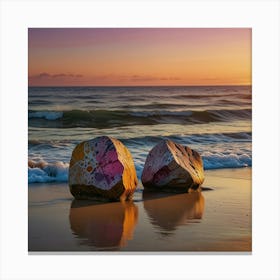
{"points": [[217, 220]]}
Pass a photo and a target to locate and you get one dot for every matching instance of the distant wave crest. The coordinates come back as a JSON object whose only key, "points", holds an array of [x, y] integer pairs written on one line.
{"points": [[117, 118], [48, 115]]}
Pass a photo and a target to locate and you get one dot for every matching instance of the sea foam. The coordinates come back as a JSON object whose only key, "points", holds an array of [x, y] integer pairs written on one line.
{"points": [[43, 172], [220, 160]]}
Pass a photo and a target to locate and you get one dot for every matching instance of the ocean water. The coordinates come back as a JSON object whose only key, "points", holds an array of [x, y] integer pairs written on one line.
{"points": [[213, 120]]}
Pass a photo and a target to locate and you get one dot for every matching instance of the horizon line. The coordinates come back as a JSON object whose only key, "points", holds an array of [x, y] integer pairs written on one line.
{"points": [[219, 85]]}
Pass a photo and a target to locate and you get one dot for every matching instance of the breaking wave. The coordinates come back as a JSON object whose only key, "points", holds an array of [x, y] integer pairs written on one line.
{"points": [[116, 118], [44, 172]]}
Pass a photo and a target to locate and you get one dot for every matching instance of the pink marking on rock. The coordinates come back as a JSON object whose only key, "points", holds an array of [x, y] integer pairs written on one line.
{"points": [[113, 169], [172, 166], [105, 164], [161, 174], [101, 150]]}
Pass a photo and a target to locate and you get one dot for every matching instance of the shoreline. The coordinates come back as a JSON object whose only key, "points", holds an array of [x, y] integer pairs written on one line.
{"points": [[209, 221]]}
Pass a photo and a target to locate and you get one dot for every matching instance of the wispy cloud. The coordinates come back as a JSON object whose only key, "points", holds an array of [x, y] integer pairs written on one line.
{"points": [[144, 78], [45, 75], [45, 78]]}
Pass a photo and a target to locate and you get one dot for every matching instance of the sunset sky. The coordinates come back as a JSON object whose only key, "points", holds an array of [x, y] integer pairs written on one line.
{"points": [[139, 56]]}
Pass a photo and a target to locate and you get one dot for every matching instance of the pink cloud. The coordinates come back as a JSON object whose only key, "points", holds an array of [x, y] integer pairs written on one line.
{"points": [[54, 76]]}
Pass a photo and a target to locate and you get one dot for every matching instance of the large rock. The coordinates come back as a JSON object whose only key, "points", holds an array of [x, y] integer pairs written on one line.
{"points": [[102, 169], [173, 167]]}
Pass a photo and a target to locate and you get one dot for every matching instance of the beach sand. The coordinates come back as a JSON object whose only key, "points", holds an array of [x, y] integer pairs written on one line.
{"points": [[217, 220]]}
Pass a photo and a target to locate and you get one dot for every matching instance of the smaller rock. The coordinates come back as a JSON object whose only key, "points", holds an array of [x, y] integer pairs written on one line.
{"points": [[172, 167]]}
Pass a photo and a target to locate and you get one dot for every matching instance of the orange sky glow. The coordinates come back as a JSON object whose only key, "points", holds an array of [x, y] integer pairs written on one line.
{"points": [[139, 56]]}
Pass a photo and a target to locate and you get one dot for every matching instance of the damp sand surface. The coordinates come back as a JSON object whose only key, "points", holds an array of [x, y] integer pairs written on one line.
{"points": [[218, 219]]}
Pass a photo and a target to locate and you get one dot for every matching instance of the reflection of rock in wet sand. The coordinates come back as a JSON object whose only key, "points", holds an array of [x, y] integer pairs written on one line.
{"points": [[170, 211], [105, 226]]}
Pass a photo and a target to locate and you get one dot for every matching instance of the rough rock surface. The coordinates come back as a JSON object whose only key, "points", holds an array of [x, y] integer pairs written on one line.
{"points": [[173, 167], [102, 169]]}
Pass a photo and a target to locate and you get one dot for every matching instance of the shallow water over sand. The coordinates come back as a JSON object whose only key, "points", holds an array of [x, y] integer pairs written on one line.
{"points": [[216, 220]]}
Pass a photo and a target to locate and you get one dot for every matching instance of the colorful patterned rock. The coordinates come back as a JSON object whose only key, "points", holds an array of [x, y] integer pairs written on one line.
{"points": [[173, 167], [102, 169]]}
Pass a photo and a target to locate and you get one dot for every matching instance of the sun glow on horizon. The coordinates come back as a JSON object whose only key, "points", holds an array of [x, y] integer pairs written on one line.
{"points": [[139, 56]]}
